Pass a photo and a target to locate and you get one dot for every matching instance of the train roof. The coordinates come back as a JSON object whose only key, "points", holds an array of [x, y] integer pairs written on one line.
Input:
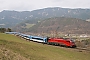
{"points": [[11, 32], [38, 37]]}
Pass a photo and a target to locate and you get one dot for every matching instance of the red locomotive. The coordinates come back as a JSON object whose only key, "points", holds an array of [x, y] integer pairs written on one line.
{"points": [[62, 42]]}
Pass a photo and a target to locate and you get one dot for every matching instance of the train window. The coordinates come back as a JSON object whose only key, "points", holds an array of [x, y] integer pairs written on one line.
{"points": [[37, 38], [68, 41]]}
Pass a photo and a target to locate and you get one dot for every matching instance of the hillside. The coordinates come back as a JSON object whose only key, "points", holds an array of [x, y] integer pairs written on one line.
{"points": [[14, 48], [62, 25], [12, 18]]}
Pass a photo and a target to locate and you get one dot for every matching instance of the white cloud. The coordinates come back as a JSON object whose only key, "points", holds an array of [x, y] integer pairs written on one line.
{"points": [[36, 4]]}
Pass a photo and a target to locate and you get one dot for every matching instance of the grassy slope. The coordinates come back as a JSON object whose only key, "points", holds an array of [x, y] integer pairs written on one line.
{"points": [[14, 48], [29, 25]]}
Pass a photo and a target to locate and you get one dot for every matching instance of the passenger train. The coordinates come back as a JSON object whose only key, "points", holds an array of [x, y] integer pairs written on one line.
{"points": [[47, 40]]}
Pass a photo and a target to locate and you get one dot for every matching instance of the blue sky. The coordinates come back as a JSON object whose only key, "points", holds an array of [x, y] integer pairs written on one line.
{"points": [[29, 5]]}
